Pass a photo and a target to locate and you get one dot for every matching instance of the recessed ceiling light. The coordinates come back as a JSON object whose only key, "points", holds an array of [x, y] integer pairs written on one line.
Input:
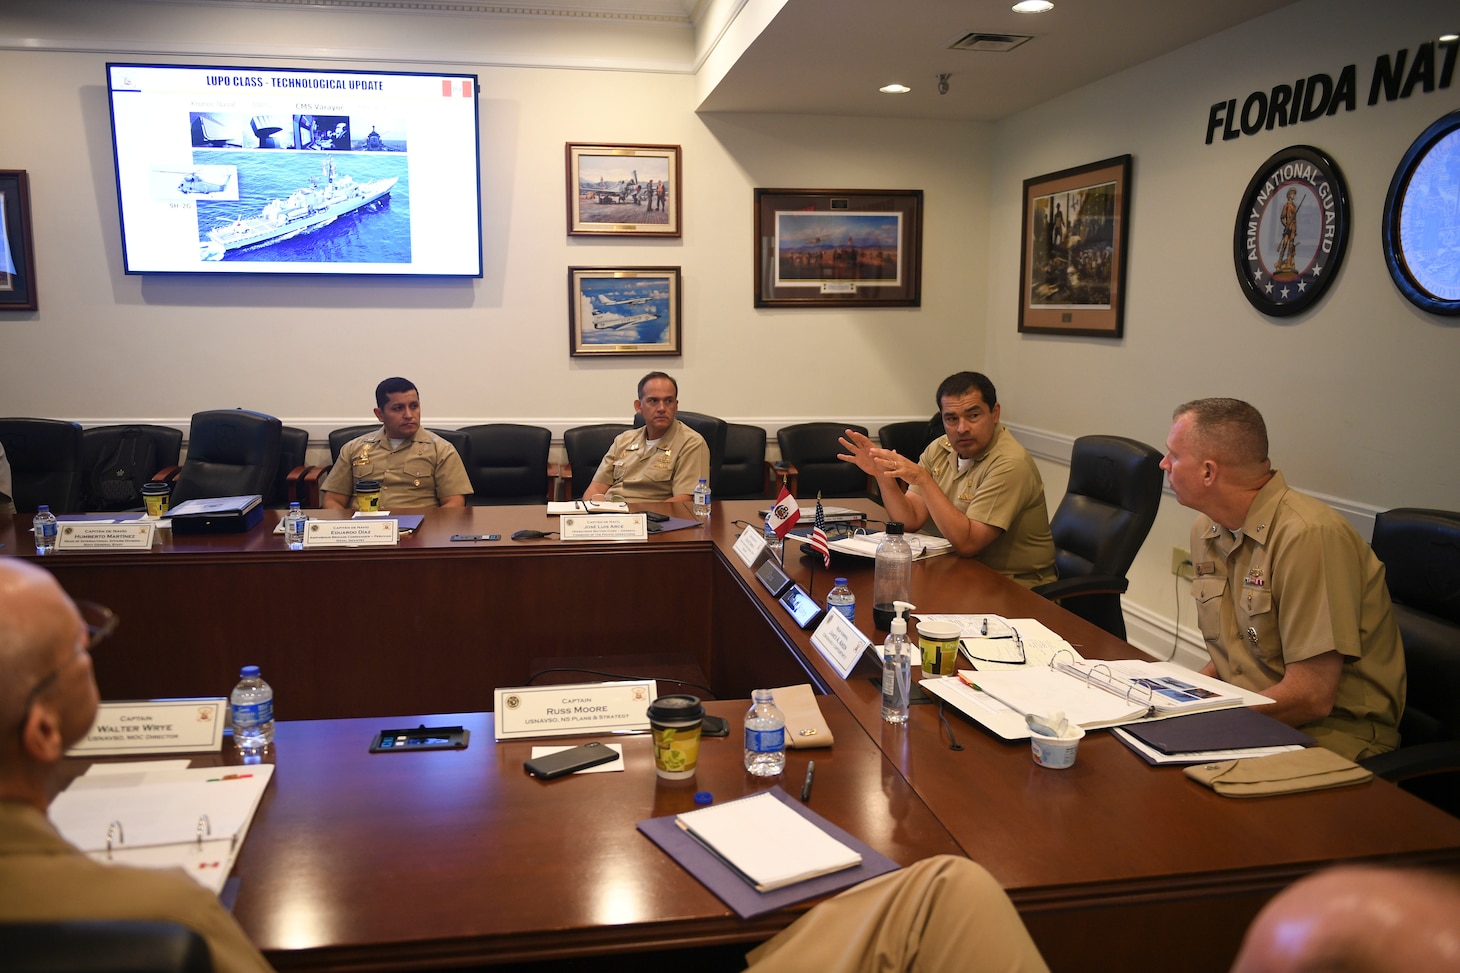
{"points": [[1447, 38], [1032, 6], [894, 89]]}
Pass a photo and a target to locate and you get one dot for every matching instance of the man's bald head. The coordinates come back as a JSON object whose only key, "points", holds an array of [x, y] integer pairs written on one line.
{"points": [[41, 637], [1357, 920]]}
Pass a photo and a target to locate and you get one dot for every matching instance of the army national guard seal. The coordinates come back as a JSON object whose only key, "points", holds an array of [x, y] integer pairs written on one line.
{"points": [[1292, 230]]}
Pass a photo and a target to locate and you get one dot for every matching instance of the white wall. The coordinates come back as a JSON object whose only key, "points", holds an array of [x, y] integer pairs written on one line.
{"points": [[159, 348], [1358, 392]]}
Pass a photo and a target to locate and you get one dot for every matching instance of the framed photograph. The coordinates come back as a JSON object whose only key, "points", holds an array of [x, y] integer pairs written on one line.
{"points": [[1072, 264], [17, 253], [1422, 222], [1291, 231], [623, 311], [623, 190], [838, 247]]}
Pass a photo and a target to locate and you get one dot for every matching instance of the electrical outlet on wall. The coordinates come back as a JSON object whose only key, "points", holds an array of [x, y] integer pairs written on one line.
{"points": [[1181, 563]]}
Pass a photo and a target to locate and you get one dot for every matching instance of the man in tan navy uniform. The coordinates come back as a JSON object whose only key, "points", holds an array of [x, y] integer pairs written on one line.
{"points": [[415, 467], [1290, 600], [48, 700], [663, 460], [7, 499], [976, 485]]}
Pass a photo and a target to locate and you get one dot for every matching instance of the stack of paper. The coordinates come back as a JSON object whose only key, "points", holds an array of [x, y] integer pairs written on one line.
{"points": [[767, 843]]}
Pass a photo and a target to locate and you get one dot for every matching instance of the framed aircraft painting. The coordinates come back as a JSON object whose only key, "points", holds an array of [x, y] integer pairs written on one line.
{"points": [[17, 252], [623, 311], [623, 190]]}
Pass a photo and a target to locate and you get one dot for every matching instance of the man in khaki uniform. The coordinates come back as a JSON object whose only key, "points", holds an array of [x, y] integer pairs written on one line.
{"points": [[48, 700], [415, 467], [1290, 600], [7, 491], [663, 460], [975, 485]]}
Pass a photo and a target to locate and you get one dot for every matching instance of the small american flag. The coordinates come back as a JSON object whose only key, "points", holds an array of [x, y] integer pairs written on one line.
{"points": [[818, 535]]}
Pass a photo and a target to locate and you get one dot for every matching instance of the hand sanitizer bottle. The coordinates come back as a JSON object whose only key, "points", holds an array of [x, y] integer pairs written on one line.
{"points": [[897, 668]]}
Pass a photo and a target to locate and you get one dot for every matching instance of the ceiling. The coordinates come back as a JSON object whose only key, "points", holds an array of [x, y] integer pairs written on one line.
{"points": [[829, 57]]}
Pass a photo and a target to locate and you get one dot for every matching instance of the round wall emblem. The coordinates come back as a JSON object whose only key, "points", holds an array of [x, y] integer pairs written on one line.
{"points": [[1421, 226], [1292, 230]]}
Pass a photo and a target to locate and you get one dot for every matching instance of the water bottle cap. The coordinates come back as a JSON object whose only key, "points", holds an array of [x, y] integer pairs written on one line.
{"points": [[293, 504], [43, 509], [894, 527], [840, 582], [704, 797], [249, 672]]}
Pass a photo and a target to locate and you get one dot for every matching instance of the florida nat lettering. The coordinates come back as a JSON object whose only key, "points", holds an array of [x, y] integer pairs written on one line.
{"points": [[1431, 67]]}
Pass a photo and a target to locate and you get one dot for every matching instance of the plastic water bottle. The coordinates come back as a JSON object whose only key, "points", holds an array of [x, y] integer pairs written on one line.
{"points": [[702, 499], [893, 579], [294, 526], [765, 736], [44, 527], [252, 701], [897, 669], [840, 598], [774, 542]]}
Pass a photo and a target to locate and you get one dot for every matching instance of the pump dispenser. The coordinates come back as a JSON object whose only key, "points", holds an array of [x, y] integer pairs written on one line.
{"points": [[897, 667]]}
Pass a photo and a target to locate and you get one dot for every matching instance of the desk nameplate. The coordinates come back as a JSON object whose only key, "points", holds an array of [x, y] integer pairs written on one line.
{"points": [[839, 642], [604, 527], [750, 547], [594, 707], [351, 533], [154, 726], [101, 536]]}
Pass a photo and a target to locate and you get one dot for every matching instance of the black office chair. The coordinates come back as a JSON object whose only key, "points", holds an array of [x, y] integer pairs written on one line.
{"points": [[231, 453], [744, 473], [45, 463], [119, 459], [713, 431], [809, 465], [295, 479], [344, 434], [910, 438], [102, 946], [1421, 554], [1106, 513], [586, 446], [509, 463]]}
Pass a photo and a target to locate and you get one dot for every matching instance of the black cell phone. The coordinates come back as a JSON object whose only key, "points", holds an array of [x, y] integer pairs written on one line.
{"points": [[476, 537], [799, 604], [775, 580], [657, 518], [567, 761]]}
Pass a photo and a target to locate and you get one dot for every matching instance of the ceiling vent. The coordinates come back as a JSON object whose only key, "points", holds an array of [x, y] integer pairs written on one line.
{"points": [[979, 41]]}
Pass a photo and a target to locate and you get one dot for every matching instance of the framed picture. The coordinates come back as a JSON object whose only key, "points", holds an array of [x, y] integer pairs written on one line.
{"points": [[1291, 231], [623, 311], [1422, 222], [623, 190], [838, 247], [1072, 263], [17, 253]]}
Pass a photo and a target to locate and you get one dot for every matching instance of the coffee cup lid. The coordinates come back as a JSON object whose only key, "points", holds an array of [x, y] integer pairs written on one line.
{"points": [[366, 486], [154, 487], [676, 709]]}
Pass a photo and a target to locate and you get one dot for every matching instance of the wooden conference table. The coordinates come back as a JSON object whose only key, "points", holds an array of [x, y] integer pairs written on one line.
{"points": [[373, 861]]}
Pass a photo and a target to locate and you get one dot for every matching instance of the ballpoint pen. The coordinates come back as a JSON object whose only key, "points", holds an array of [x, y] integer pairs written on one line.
{"points": [[810, 776]]}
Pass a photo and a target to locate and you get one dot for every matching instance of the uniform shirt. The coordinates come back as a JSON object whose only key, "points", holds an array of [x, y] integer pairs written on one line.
{"points": [[1002, 488], [1297, 582], [418, 474], [637, 472], [44, 878]]}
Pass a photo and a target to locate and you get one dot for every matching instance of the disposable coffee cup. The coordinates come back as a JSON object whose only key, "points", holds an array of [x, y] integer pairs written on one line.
{"points": [[675, 722], [1054, 752], [939, 642], [158, 497], [367, 496]]}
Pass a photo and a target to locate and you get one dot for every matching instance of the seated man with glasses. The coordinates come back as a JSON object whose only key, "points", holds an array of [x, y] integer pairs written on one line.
{"points": [[662, 461], [414, 466], [48, 701]]}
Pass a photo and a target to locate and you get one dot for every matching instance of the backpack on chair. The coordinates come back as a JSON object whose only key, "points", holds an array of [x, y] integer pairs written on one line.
{"points": [[116, 481]]}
